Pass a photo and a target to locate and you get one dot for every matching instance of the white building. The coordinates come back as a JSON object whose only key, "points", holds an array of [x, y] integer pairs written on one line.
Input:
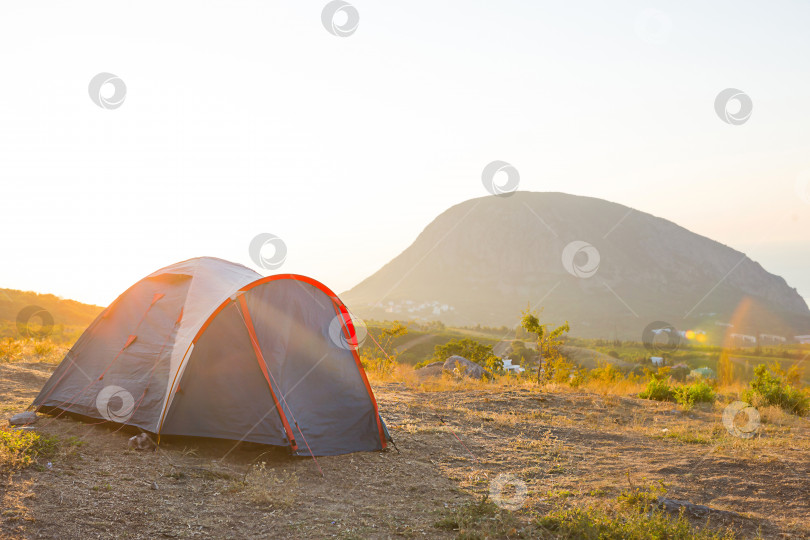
{"points": [[744, 338], [772, 338], [509, 368]]}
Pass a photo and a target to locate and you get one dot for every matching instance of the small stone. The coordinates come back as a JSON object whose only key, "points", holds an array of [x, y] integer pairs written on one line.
{"points": [[141, 442], [154, 486], [461, 367], [24, 419]]}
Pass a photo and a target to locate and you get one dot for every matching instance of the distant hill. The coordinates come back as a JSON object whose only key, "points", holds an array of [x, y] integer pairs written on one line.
{"points": [[66, 314], [608, 269]]}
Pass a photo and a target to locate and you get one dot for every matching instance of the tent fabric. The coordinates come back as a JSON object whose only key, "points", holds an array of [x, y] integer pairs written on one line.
{"points": [[209, 348]]}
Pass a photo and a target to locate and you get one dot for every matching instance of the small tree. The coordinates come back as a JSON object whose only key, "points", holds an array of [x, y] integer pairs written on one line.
{"points": [[379, 358], [725, 370], [548, 342]]}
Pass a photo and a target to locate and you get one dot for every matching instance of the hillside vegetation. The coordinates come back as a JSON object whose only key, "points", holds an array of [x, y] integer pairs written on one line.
{"points": [[29, 314]]}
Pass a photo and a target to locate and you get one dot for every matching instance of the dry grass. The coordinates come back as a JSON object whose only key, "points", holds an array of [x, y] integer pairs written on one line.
{"points": [[577, 450], [30, 350]]}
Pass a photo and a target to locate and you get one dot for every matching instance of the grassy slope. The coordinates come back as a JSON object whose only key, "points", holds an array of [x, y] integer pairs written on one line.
{"points": [[70, 317]]}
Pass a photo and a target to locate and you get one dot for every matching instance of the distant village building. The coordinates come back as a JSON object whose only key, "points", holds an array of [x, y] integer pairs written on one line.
{"points": [[805, 340], [509, 368], [657, 360], [724, 324], [772, 338], [745, 338]]}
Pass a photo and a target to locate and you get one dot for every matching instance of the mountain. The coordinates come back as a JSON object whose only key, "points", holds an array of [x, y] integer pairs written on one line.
{"points": [[608, 269], [17, 307]]}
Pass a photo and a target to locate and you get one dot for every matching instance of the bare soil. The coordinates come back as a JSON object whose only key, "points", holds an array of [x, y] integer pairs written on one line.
{"points": [[569, 447]]}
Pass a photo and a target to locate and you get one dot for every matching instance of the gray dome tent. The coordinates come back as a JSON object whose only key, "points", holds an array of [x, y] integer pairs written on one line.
{"points": [[209, 348]]}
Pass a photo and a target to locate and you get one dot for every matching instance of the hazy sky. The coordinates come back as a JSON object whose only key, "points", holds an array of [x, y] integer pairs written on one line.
{"points": [[243, 118]]}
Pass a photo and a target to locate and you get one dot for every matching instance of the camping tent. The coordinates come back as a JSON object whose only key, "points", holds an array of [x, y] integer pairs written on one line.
{"points": [[209, 348]]}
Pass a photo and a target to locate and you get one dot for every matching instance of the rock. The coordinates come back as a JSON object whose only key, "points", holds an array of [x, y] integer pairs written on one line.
{"points": [[431, 370], [433, 364], [699, 511], [461, 367], [24, 419], [141, 442]]}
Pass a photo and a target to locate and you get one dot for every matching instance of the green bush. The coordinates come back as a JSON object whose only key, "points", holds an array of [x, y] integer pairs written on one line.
{"points": [[697, 392], [658, 388], [770, 388], [19, 448]]}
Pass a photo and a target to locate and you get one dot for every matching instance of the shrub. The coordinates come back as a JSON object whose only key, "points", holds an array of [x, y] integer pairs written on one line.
{"points": [[605, 372], [19, 448], [10, 349], [697, 392], [658, 388], [770, 388]]}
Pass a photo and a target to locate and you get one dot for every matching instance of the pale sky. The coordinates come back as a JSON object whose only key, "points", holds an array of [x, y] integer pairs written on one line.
{"points": [[243, 118]]}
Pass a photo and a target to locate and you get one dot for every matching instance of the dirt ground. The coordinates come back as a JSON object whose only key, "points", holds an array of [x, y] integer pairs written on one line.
{"points": [[568, 447]]}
